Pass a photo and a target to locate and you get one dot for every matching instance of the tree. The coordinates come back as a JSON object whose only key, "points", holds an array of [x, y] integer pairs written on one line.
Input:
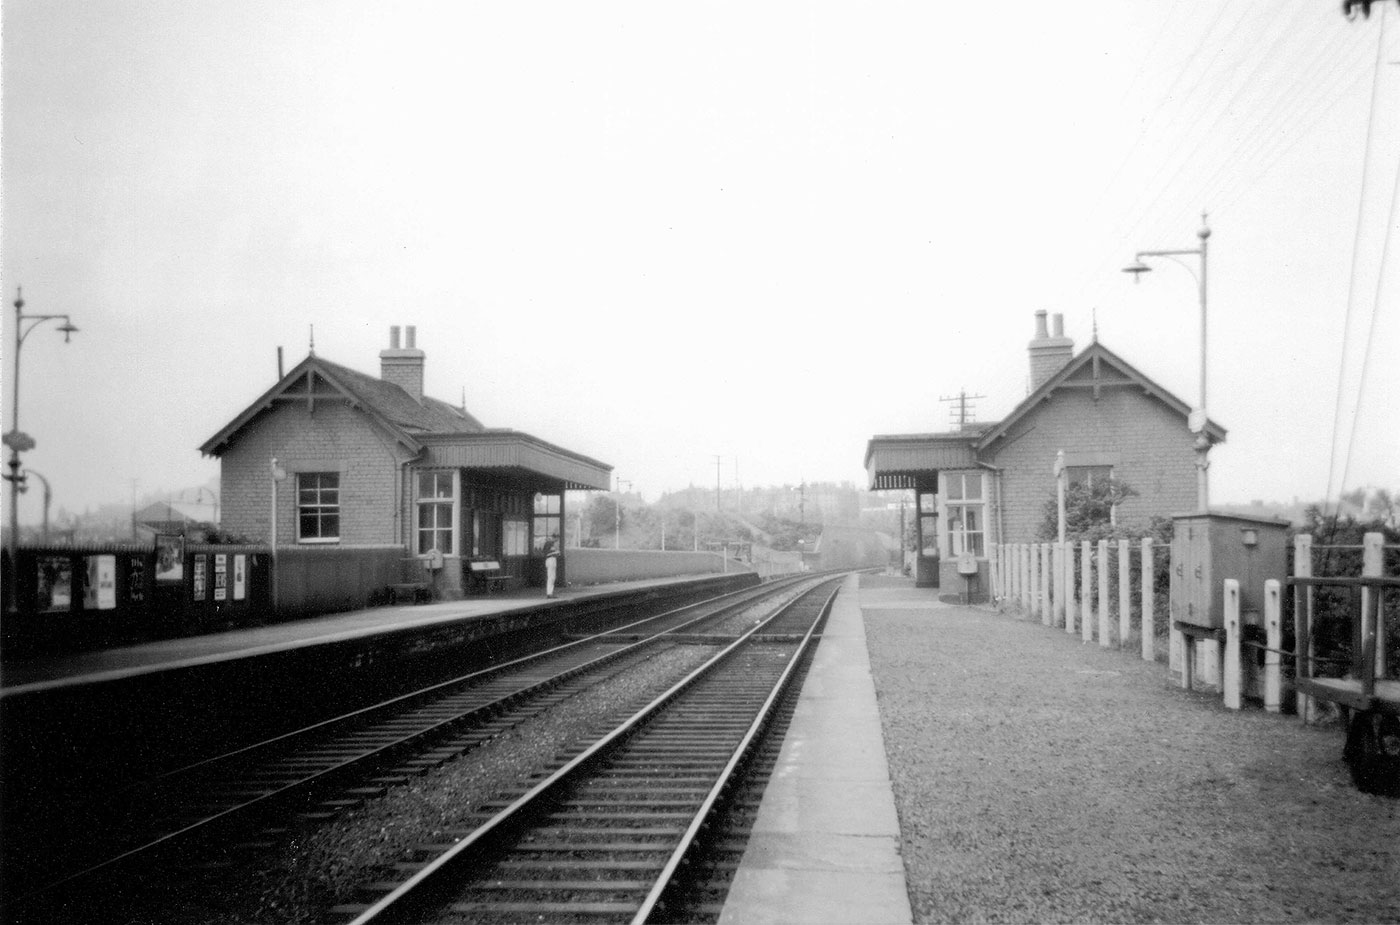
{"points": [[1088, 508]]}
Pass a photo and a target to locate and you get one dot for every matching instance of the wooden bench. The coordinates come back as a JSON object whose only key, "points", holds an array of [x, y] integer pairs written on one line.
{"points": [[415, 591], [487, 574]]}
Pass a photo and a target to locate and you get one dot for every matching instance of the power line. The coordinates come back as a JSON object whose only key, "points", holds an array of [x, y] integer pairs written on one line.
{"points": [[1355, 259]]}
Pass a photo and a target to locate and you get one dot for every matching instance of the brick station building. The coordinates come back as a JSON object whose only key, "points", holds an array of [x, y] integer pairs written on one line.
{"points": [[988, 482], [361, 461]]}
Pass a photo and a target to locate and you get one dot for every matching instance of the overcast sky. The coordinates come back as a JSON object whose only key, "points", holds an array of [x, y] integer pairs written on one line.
{"points": [[657, 233]]}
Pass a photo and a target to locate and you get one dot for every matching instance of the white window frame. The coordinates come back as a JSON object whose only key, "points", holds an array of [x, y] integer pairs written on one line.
{"points": [[952, 510], [453, 504], [319, 509]]}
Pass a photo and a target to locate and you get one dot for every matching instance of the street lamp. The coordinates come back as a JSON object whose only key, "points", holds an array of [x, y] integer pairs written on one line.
{"points": [[617, 512], [15, 439], [1197, 420], [48, 497]]}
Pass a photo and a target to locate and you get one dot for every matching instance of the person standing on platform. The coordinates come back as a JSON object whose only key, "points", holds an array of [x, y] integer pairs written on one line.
{"points": [[551, 564]]}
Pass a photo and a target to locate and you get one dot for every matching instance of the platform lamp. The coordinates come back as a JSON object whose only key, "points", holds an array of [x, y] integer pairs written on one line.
{"points": [[15, 439], [617, 512], [1197, 420], [278, 475], [48, 498]]}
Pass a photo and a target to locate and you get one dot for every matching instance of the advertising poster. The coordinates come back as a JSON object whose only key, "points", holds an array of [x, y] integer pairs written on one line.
{"points": [[170, 558], [220, 577], [240, 575], [54, 589], [136, 579], [199, 576], [101, 590]]}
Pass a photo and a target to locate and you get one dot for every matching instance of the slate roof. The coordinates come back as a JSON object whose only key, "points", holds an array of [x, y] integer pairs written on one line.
{"points": [[431, 417]]}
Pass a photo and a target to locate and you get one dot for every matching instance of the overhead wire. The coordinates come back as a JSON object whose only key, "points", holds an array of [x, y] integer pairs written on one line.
{"points": [[1286, 100], [1355, 263]]}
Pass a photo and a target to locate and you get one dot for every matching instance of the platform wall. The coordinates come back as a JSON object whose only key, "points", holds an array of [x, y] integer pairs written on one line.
{"points": [[595, 566]]}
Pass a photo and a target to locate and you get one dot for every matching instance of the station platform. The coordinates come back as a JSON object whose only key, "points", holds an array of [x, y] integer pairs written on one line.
{"points": [[826, 844], [55, 672]]}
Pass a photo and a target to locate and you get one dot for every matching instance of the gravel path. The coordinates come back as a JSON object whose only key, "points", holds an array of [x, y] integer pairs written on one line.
{"points": [[1041, 780]]}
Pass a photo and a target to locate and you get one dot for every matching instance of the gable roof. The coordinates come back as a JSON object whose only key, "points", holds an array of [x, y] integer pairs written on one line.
{"points": [[1096, 367], [386, 404]]}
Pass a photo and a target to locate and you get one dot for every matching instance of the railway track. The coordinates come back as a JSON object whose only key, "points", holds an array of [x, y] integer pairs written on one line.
{"points": [[312, 774], [615, 833]]}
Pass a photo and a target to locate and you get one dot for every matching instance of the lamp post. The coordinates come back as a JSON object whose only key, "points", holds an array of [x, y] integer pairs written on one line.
{"points": [[617, 513], [1197, 420], [15, 439], [279, 475], [48, 496]]}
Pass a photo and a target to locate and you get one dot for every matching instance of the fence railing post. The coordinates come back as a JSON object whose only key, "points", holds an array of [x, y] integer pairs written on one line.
{"points": [[1024, 553], [1302, 621], [1230, 671], [1103, 594], [1125, 594], [1086, 591], [1068, 565], [1273, 641], [1149, 600], [1057, 588], [1032, 578], [1372, 553], [1046, 617]]}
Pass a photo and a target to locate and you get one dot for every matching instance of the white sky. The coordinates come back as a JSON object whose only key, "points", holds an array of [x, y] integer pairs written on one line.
{"points": [[654, 233]]}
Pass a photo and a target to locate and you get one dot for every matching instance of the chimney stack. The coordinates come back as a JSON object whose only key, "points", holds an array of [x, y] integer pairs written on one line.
{"points": [[1049, 354], [403, 366]]}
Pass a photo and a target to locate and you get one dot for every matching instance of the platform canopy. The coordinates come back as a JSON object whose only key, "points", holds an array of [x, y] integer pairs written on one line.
{"points": [[515, 459], [894, 461]]}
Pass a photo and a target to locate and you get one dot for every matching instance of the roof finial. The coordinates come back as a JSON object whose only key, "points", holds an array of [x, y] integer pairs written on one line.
{"points": [[313, 340], [1095, 310], [464, 399]]}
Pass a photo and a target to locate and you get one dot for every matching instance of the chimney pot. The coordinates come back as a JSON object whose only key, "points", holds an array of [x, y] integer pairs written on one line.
{"points": [[403, 365], [1048, 354], [410, 333]]}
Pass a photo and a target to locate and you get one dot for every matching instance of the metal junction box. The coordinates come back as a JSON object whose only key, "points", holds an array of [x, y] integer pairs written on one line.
{"points": [[1209, 548]]}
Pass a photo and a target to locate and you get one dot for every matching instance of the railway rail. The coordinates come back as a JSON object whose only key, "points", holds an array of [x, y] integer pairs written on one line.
{"points": [[615, 832], [315, 772]]}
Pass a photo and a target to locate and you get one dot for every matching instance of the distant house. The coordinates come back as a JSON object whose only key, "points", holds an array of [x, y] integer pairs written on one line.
{"points": [[180, 517], [359, 460], [988, 482]]}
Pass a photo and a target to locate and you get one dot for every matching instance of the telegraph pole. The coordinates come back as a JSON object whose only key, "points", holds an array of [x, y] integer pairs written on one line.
{"points": [[962, 412], [717, 489]]}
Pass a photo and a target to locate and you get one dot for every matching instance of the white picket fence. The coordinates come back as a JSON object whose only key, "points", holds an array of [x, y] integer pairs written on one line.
{"points": [[1041, 579], [1071, 585]]}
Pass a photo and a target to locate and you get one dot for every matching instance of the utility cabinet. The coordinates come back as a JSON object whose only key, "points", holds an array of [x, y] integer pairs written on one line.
{"points": [[1209, 548]]}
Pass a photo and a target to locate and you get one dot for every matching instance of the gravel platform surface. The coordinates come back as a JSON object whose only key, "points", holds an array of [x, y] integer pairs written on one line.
{"points": [[1038, 779]]}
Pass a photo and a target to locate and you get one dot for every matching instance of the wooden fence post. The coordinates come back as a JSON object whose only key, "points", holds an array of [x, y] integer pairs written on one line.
{"points": [[1057, 561], [1103, 594], [1046, 615], [1230, 671], [1069, 586], [1372, 552], [1273, 640], [1149, 600], [1302, 621], [1024, 553], [1125, 594], [1086, 591]]}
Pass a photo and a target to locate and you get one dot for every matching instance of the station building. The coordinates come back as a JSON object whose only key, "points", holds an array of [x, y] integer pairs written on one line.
{"points": [[988, 483], [331, 456]]}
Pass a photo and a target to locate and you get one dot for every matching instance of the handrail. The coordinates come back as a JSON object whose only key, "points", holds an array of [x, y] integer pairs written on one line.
{"points": [[1376, 581]]}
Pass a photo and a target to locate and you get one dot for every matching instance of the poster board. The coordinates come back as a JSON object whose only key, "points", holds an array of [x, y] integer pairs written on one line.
{"points": [[170, 558]]}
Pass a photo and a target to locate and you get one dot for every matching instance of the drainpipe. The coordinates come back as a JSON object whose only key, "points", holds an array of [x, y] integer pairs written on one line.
{"points": [[1001, 525]]}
